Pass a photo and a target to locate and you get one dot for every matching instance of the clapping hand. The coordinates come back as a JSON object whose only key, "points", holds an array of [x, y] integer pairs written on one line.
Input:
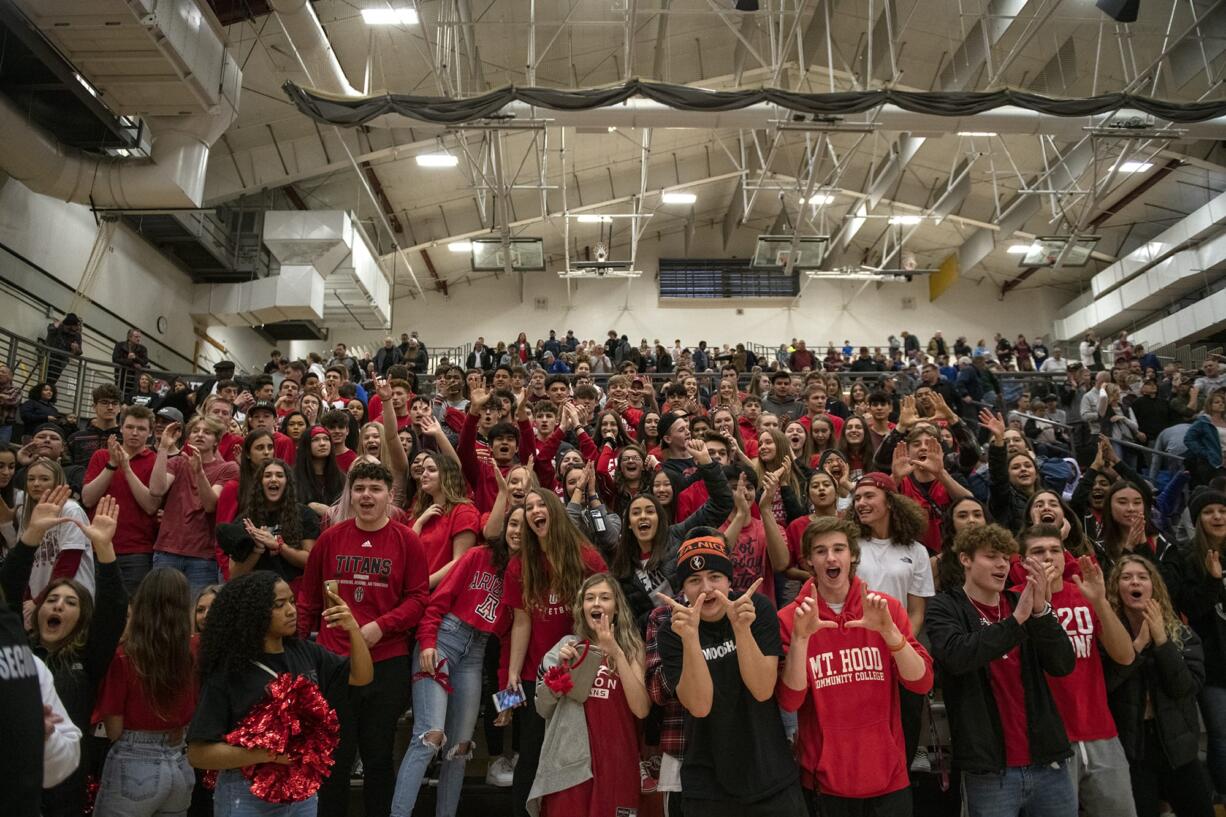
{"points": [[698, 450], [1091, 582]]}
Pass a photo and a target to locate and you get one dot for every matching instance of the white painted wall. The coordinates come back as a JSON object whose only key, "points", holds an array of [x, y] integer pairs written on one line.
{"points": [[826, 311], [135, 282]]}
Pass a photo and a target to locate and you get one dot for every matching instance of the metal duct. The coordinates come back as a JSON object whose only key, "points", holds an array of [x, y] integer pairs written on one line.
{"points": [[307, 36]]}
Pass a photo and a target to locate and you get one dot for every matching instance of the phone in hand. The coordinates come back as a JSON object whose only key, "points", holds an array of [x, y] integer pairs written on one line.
{"points": [[189, 450], [331, 586], [508, 698]]}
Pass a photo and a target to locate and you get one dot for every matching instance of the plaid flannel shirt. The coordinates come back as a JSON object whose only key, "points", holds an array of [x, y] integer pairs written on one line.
{"points": [[672, 727]]}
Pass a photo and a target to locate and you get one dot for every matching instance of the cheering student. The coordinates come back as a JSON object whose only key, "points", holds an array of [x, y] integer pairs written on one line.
{"points": [[1098, 768], [848, 650], [62, 550], [380, 568], [144, 704], [992, 648], [444, 518], [464, 611], [720, 654], [554, 560], [1153, 698], [250, 640], [273, 530], [590, 761], [73, 635], [319, 479]]}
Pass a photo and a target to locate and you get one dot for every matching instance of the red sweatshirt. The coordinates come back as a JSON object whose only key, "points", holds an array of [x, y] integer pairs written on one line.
{"points": [[851, 700], [472, 592], [382, 576], [480, 475]]}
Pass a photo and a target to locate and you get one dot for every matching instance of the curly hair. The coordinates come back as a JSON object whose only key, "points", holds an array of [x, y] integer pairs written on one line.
{"points": [[908, 520], [1173, 626], [255, 506], [159, 635], [238, 621]]}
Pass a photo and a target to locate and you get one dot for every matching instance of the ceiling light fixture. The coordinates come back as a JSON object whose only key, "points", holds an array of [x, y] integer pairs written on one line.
{"points": [[588, 218], [389, 17], [678, 197], [906, 219], [976, 133], [437, 160], [460, 246], [821, 198], [1135, 167], [1018, 249]]}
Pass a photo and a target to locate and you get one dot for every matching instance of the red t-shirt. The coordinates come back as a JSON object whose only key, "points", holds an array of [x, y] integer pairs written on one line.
{"points": [[794, 533], [186, 529], [836, 420], [283, 447], [750, 561], [472, 592], [553, 621], [382, 577], [614, 788], [437, 534], [1081, 696], [121, 693], [343, 461], [231, 446], [1006, 677], [137, 530]]}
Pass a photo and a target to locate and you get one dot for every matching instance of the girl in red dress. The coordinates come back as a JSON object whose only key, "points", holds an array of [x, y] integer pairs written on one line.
{"points": [[609, 785]]}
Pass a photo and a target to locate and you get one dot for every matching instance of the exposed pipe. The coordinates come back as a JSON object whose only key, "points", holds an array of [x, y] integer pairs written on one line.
{"points": [[304, 30]]}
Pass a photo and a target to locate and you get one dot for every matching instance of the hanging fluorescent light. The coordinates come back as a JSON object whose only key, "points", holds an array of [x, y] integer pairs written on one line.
{"points": [[460, 246], [976, 133], [437, 160], [1018, 249], [389, 17], [906, 219], [678, 197], [821, 198], [1135, 167], [588, 218]]}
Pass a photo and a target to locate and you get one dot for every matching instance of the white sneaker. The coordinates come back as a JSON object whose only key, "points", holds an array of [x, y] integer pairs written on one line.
{"points": [[921, 763], [501, 772]]}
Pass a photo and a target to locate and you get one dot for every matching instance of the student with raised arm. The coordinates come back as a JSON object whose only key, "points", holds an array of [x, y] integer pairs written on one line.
{"points": [[720, 654], [994, 649], [848, 651]]}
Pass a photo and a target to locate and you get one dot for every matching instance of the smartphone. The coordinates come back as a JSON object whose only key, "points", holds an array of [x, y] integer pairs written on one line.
{"points": [[331, 586], [508, 698], [188, 449]]}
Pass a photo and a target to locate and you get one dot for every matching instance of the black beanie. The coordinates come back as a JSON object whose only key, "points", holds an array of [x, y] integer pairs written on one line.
{"points": [[1203, 499]]}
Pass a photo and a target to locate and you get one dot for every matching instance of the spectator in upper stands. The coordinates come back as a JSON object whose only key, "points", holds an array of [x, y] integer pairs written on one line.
{"points": [[341, 357], [387, 356], [936, 345], [130, 358], [63, 336], [10, 399], [102, 426], [275, 362], [802, 360], [40, 407]]}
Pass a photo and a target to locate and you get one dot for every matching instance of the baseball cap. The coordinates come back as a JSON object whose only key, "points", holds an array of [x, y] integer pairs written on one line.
{"points": [[170, 413], [262, 405]]}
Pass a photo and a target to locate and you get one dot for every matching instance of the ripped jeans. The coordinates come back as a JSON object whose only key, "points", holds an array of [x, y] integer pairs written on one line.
{"points": [[453, 714]]}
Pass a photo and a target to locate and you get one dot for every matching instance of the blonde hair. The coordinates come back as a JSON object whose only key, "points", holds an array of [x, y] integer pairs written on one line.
{"points": [[1171, 623], [625, 630]]}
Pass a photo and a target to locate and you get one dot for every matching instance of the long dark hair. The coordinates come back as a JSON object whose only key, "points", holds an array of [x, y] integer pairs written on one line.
{"points": [[254, 505], [1115, 534], [553, 564], [862, 453], [159, 636], [8, 493], [643, 439], [949, 569], [1075, 543], [238, 622], [64, 655], [246, 470], [325, 488], [626, 554]]}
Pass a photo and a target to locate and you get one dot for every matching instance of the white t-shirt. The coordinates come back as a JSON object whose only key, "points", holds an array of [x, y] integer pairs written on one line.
{"points": [[64, 536], [896, 570]]}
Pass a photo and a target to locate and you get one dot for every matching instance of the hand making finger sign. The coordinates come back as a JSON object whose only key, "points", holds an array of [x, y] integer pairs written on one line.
{"points": [[808, 620], [875, 616], [685, 618], [741, 611]]}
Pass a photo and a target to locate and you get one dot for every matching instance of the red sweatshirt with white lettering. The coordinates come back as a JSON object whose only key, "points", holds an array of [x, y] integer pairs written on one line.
{"points": [[850, 701], [472, 592], [382, 576]]}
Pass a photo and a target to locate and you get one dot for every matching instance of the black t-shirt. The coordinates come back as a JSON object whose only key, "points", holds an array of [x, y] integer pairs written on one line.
{"points": [[83, 444], [226, 698], [21, 712], [739, 751], [309, 523]]}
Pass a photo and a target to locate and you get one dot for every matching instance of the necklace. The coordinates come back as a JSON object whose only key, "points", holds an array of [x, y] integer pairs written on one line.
{"points": [[989, 615]]}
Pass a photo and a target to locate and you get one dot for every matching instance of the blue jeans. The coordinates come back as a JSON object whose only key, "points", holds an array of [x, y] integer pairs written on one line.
{"points": [[233, 798], [145, 775], [1036, 791], [1213, 710], [454, 715], [6, 434], [200, 573], [133, 567]]}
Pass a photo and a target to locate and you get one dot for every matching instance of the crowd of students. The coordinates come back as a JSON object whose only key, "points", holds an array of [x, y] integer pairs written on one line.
{"points": [[744, 597]]}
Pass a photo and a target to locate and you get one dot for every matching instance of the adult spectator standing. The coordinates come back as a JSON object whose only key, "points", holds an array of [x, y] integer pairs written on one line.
{"points": [[801, 359], [122, 470], [387, 356], [552, 345], [275, 362], [1038, 352], [1091, 355], [1056, 363], [1212, 380], [570, 343], [910, 343], [1088, 408], [930, 377], [782, 399], [936, 345], [64, 338], [970, 386], [130, 357], [341, 357], [480, 357], [10, 398], [403, 346], [223, 370], [994, 650], [190, 481], [416, 358], [102, 426], [1025, 362]]}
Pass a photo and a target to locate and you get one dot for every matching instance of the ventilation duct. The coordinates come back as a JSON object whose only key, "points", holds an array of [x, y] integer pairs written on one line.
{"points": [[176, 45], [306, 35]]}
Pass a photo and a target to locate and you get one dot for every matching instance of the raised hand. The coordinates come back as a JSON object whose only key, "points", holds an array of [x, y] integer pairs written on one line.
{"points": [[875, 616], [1042, 595], [384, 389], [741, 611], [770, 487], [993, 423], [1213, 563], [338, 614], [101, 530], [429, 426], [48, 512], [808, 618], [1091, 582], [1156, 622], [477, 398], [901, 465], [604, 636], [684, 621], [169, 439], [739, 503], [698, 450], [908, 415], [941, 409]]}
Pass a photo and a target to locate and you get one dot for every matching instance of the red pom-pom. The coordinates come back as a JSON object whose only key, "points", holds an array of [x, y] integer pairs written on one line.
{"points": [[558, 680], [293, 720]]}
